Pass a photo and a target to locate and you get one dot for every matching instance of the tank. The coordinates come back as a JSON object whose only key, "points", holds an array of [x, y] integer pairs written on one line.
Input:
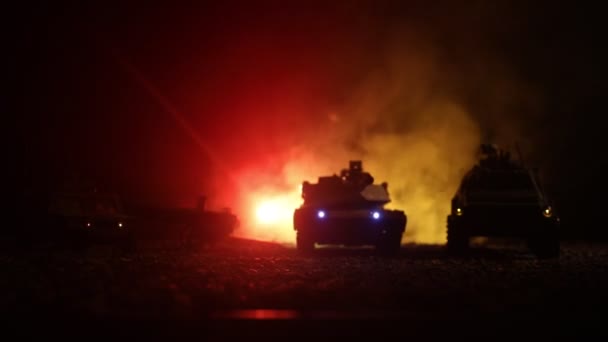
{"points": [[501, 197], [76, 219], [189, 227], [348, 209]]}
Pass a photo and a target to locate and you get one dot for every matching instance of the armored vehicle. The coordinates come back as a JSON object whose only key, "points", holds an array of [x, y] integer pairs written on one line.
{"points": [[190, 227], [348, 209], [78, 219], [501, 197]]}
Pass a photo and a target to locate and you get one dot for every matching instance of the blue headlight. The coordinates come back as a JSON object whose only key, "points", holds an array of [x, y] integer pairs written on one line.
{"points": [[376, 215], [320, 214]]}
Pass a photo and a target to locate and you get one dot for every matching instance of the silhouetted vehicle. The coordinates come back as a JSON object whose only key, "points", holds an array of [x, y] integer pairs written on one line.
{"points": [[500, 197], [190, 227], [78, 220], [348, 210]]}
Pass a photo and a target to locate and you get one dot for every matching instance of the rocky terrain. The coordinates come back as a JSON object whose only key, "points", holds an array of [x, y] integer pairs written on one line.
{"points": [[493, 291]]}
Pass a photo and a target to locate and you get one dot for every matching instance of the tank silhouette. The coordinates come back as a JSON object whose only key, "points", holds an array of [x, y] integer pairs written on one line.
{"points": [[501, 197], [348, 209], [76, 219], [190, 227]]}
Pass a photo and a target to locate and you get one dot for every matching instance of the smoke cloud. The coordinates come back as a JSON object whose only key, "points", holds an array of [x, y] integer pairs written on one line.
{"points": [[283, 93], [288, 94], [415, 108], [408, 133], [408, 130]]}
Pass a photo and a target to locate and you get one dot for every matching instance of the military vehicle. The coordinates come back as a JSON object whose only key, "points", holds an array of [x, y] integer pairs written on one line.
{"points": [[348, 209], [77, 219], [502, 197], [189, 227]]}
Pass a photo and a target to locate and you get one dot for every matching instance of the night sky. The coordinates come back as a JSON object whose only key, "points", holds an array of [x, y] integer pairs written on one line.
{"points": [[162, 102]]}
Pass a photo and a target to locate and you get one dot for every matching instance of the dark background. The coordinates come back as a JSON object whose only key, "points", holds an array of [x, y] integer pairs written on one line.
{"points": [[76, 112]]}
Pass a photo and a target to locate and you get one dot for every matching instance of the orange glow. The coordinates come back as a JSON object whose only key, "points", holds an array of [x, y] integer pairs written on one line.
{"points": [[268, 214], [271, 211], [422, 167]]}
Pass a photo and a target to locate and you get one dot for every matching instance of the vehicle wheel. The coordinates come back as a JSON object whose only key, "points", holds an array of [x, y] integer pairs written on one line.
{"points": [[458, 238], [545, 242], [389, 244], [544, 247], [304, 243]]}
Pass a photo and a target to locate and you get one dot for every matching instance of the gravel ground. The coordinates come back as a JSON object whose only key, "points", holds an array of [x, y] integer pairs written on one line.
{"points": [[238, 286]]}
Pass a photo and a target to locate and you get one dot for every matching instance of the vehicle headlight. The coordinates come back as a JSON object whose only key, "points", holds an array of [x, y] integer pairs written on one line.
{"points": [[376, 215], [548, 212]]}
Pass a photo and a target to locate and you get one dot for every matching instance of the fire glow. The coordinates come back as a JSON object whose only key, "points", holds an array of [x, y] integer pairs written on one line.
{"points": [[419, 140], [269, 214], [272, 211]]}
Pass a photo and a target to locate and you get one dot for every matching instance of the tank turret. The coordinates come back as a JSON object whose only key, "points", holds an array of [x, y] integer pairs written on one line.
{"points": [[355, 175], [492, 156], [352, 188]]}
